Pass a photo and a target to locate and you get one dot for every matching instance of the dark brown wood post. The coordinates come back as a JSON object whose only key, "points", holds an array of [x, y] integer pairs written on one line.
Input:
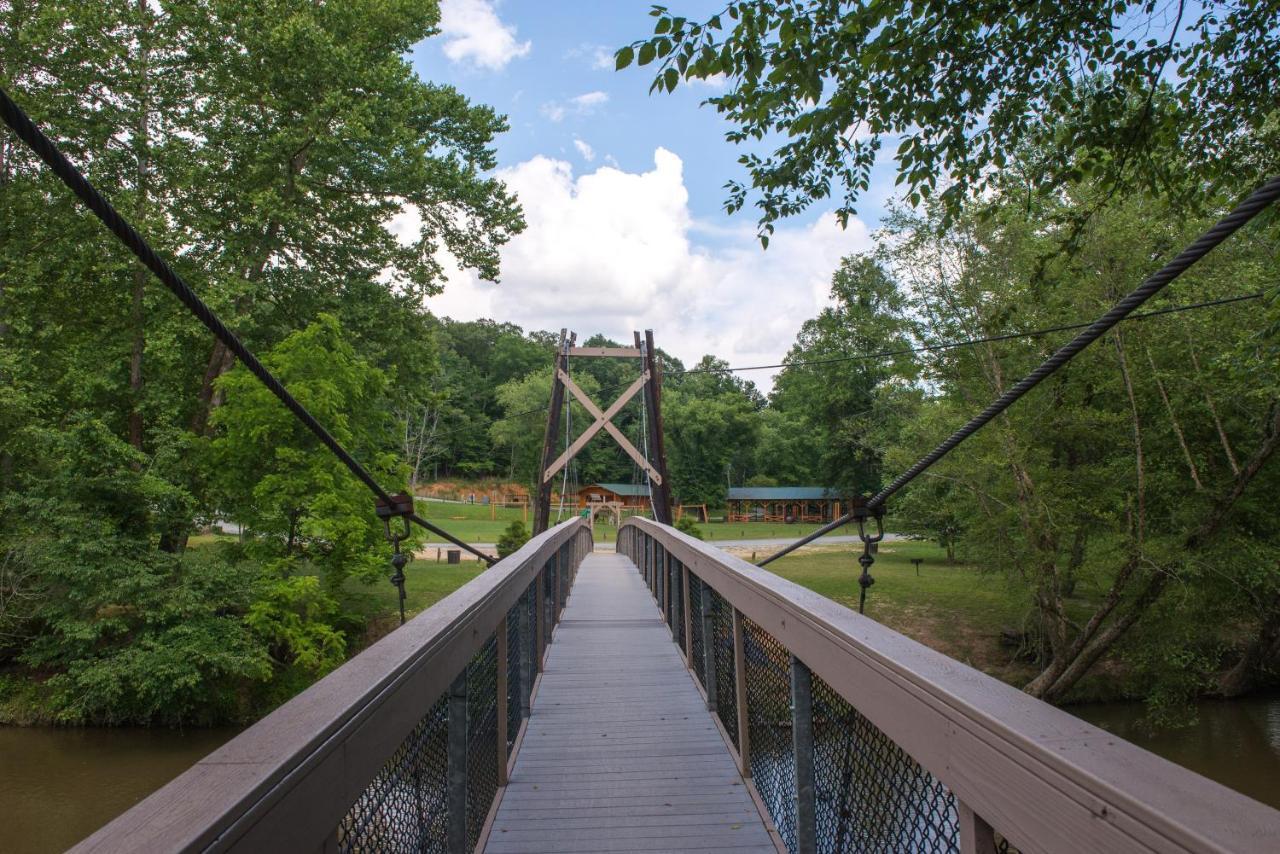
{"points": [[542, 509], [709, 675], [457, 765], [503, 665], [524, 627], [556, 560], [688, 617], [539, 621], [976, 836], [657, 447], [740, 692], [802, 744]]}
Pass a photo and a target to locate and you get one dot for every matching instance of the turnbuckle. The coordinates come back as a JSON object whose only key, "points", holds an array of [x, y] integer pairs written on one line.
{"points": [[861, 513], [402, 508]]}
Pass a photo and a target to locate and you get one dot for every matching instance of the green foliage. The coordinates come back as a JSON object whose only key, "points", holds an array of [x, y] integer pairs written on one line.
{"points": [[262, 148], [1126, 474], [686, 525], [515, 536], [712, 424], [965, 88], [130, 634], [519, 433], [293, 615], [275, 477], [834, 414]]}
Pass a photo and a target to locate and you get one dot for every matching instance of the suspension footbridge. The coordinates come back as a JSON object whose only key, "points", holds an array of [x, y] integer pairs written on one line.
{"points": [[667, 696]]}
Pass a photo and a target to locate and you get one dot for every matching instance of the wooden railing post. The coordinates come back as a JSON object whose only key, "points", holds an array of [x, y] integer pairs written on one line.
{"points": [[457, 769], [802, 744], [740, 692], [502, 687], [976, 836], [708, 648]]}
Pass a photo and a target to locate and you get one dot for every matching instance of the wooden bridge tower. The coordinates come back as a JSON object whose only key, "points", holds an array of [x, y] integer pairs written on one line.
{"points": [[649, 381]]}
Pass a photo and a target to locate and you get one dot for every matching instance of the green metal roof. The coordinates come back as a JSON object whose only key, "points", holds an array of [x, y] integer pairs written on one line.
{"points": [[622, 488], [780, 493]]}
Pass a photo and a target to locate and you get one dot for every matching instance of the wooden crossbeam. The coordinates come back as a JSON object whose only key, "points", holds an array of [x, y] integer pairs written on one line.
{"points": [[609, 352], [603, 421]]}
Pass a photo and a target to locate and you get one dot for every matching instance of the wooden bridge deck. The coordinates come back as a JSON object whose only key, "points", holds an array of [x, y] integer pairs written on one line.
{"points": [[621, 753]]}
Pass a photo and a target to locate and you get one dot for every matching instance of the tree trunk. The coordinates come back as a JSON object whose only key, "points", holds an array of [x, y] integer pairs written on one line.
{"points": [[1096, 639], [142, 154], [1259, 664]]}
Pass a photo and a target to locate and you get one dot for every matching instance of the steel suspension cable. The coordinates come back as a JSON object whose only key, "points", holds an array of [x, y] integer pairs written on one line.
{"points": [[22, 125], [1255, 203]]}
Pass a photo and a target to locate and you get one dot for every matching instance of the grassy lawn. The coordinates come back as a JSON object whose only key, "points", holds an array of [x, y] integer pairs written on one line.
{"points": [[471, 523], [956, 610], [755, 531], [426, 583]]}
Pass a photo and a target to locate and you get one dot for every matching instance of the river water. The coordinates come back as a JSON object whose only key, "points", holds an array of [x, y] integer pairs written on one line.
{"points": [[59, 785]]}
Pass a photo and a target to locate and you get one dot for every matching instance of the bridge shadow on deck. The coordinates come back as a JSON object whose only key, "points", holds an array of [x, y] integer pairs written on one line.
{"points": [[621, 753]]}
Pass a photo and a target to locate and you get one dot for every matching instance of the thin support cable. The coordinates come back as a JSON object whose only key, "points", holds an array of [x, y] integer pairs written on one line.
{"points": [[970, 342], [46, 150], [568, 433], [1255, 203], [906, 351], [644, 432]]}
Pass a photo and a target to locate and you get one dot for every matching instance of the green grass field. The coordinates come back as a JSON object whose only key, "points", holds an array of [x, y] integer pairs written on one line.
{"points": [[426, 583], [957, 609]]}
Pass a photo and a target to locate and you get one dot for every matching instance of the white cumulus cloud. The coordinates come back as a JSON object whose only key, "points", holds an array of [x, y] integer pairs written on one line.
{"points": [[474, 34], [613, 251], [579, 105], [597, 56]]}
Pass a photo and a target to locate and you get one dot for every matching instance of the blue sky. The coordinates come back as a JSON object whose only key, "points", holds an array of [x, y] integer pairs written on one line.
{"points": [[623, 190]]}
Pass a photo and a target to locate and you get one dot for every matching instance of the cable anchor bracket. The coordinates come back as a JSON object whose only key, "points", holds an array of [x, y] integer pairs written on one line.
{"points": [[401, 507], [861, 514]]}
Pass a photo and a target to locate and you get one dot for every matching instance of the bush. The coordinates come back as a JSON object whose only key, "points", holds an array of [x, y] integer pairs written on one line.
{"points": [[513, 538], [686, 525]]}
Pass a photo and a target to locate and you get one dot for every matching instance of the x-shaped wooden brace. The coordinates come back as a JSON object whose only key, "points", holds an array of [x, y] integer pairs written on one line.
{"points": [[603, 421]]}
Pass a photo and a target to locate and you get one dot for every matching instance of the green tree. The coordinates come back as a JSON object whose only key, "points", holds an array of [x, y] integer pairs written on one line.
{"points": [[834, 385], [521, 431], [1144, 464], [125, 633], [294, 497], [963, 87], [515, 536], [712, 424]]}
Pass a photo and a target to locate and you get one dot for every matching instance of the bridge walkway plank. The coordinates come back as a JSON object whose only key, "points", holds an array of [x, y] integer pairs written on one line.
{"points": [[621, 754]]}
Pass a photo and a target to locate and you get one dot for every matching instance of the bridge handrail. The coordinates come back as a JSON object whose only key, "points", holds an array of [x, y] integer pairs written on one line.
{"points": [[286, 782], [1042, 778]]}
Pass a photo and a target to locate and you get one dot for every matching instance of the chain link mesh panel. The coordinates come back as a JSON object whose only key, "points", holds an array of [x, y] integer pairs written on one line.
{"points": [[726, 669], [871, 795], [695, 628], [768, 676], [405, 808], [482, 737]]}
